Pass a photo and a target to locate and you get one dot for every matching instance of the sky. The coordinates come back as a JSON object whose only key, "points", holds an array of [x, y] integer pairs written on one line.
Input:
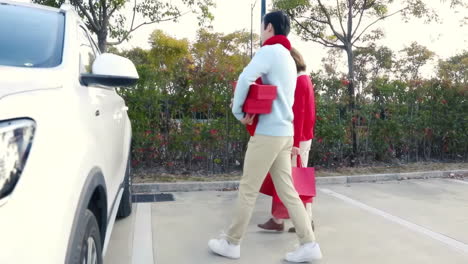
{"points": [[445, 39]]}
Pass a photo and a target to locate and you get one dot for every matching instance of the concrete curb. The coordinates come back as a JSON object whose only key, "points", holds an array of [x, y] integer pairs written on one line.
{"points": [[142, 188]]}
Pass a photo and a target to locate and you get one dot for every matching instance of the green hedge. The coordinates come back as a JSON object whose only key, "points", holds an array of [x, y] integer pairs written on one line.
{"points": [[414, 121]]}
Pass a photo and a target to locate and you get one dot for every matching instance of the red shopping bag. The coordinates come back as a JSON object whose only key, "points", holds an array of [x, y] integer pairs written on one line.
{"points": [[304, 183]]}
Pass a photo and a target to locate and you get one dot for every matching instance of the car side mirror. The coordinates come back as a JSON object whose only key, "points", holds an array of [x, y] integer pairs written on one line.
{"points": [[111, 70]]}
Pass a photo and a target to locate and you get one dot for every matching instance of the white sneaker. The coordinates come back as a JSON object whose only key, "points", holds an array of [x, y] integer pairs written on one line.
{"points": [[305, 253], [224, 248]]}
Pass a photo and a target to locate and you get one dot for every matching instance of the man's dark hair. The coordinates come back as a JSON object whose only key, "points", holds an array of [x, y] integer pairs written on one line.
{"points": [[280, 22]]}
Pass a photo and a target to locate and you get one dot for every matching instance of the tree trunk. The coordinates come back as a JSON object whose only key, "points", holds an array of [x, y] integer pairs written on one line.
{"points": [[352, 101], [102, 40], [102, 34]]}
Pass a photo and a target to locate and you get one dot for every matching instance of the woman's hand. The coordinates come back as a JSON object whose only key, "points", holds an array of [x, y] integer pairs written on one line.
{"points": [[248, 119], [296, 151]]}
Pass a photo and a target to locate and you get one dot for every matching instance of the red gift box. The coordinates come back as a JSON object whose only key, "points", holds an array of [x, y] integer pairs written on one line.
{"points": [[262, 92], [259, 99], [254, 106]]}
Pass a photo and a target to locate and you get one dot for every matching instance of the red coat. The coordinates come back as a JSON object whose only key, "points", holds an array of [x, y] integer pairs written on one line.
{"points": [[304, 110]]}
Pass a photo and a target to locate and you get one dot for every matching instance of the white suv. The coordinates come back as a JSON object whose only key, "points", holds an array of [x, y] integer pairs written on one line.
{"points": [[64, 138]]}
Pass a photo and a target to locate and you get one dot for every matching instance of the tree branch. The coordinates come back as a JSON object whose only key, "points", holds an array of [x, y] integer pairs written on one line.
{"points": [[105, 15], [360, 18], [317, 20], [100, 15], [340, 17], [134, 13], [307, 17], [125, 37], [93, 12], [350, 19], [112, 11], [86, 14], [327, 45], [371, 24], [323, 41], [324, 10]]}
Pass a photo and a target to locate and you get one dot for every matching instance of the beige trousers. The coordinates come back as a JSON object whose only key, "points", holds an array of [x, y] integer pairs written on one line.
{"points": [[273, 154]]}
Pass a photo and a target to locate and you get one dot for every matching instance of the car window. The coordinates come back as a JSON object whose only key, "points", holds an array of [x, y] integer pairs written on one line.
{"points": [[87, 54], [30, 37]]}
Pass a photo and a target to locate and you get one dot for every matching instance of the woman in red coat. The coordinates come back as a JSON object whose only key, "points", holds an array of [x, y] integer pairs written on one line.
{"points": [[304, 123]]}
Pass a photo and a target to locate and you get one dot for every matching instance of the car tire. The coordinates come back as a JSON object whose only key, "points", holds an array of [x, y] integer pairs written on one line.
{"points": [[88, 246], [125, 207]]}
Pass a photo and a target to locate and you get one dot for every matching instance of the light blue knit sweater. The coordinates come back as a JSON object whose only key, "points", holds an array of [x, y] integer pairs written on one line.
{"points": [[276, 67]]}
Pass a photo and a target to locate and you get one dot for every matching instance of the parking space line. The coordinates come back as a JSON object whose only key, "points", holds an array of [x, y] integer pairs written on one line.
{"points": [[110, 227], [455, 244], [460, 181], [142, 252]]}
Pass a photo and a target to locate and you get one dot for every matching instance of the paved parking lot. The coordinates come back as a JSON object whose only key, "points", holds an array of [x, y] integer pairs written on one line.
{"points": [[413, 222]]}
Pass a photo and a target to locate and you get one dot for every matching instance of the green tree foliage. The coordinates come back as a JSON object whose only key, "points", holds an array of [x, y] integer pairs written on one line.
{"points": [[180, 107], [414, 57], [455, 69], [107, 18]]}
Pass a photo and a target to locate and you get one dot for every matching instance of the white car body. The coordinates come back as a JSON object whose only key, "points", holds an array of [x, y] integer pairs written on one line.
{"points": [[80, 148]]}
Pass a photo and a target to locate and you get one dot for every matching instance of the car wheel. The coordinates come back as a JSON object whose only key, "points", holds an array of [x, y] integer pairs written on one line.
{"points": [[125, 207], [88, 248]]}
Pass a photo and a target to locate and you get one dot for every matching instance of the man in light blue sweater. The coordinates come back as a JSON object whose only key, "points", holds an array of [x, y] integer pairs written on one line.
{"points": [[269, 149]]}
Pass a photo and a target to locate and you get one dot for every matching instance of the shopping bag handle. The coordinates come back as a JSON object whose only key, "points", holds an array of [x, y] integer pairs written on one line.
{"points": [[299, 161]]}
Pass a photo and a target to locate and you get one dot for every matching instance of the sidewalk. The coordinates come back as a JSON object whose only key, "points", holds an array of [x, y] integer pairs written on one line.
{"points": [[232, 185]]}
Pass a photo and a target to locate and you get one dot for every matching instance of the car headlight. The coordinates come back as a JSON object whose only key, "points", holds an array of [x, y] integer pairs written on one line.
{"points": [[16, 137]]}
